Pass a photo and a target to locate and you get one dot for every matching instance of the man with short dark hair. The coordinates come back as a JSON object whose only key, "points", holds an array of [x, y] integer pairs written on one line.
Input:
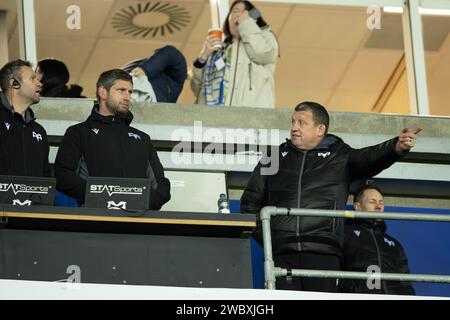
{"points": [[23, 142], [366, 244], [105, 145], [315, 171]]}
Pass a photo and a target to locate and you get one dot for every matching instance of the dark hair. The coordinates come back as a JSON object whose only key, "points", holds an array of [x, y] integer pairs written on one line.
{"points": [[55, 76], [75, 91], [320, 114], [11, 70], [360, 193], [108, 78], [248, 6]]}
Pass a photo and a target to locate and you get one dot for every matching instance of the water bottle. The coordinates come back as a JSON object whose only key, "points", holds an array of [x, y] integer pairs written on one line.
{"points": [[223, 204]]}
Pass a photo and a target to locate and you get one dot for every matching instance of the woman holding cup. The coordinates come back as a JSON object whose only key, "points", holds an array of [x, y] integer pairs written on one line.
{"points": [[240, 70]]}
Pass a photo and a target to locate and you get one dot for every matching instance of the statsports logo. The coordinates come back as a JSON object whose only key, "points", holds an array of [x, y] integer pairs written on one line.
{"points": [[17, 188], [115, 189]]}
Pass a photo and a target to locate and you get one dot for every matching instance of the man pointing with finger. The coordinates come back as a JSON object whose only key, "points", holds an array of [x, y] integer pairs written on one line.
{"points": [[407, 139], [315, 171]]}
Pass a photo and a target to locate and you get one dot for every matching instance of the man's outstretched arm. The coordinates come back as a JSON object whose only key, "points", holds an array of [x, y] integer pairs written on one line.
{"points": [[368, 162]]}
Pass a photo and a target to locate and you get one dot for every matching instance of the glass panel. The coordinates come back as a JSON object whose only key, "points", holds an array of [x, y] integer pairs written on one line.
{"points": [[436, 29], [329, 55], [8, 32], [112, 33]]}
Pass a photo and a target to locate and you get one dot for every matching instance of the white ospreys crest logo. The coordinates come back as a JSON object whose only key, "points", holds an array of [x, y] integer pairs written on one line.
{"points": [[96, 130], [17, 202], [357, 232], [7, 125], [389, 242], [38, 136], [134, 135], [324, 154], [117, 206], [284, 153]]}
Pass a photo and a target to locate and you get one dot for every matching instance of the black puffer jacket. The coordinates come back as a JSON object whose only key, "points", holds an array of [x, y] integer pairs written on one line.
{"points": [[367, 244], [107, 146], [23, 143], [316, 179]]}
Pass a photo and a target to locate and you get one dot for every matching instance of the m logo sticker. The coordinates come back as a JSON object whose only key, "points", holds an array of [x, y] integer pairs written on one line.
{"points": [[17, 202], [122, 205]]}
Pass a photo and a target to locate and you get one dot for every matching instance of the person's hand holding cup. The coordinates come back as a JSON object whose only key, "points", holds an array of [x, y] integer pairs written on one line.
{"points": [[213, 43]]}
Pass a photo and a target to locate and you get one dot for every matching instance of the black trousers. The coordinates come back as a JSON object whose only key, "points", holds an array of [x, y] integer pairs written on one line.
{"points": [[308, 260]]}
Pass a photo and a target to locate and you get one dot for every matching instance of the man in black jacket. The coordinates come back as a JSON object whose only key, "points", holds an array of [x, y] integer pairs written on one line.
{"points": [[315, 171], [23, 142], [105, 145], [367, 244]]}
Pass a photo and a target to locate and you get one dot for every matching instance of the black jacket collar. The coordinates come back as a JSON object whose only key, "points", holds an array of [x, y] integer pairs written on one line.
{"points": [[6, 106], [95, 116], [326, 143], [368, 223]]}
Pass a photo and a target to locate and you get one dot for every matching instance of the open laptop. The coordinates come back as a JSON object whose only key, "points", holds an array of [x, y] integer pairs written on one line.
{"points": [[117, 193], [27, 191]]}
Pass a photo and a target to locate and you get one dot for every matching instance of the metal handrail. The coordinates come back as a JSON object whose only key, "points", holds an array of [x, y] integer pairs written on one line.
{"points": [[271, 272]]}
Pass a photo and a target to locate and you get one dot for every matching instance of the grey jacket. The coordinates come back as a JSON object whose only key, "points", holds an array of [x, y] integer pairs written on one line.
{"points": [[251, 80]]}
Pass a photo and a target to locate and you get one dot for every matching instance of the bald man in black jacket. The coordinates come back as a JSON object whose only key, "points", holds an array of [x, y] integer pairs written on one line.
{"points": [[314, 171], [366, 244]]}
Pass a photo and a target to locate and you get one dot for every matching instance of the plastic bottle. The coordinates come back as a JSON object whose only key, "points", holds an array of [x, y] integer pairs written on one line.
{"points": [[223, 204]]}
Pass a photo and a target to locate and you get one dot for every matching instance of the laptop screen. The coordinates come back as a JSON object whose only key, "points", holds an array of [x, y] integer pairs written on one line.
{"points": [[117, 193], [27, 191]]}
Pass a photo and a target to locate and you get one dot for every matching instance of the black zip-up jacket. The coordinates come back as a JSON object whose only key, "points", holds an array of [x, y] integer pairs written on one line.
{"points": [[107, 146], [23, 143], [367, 244], [316, 179]]}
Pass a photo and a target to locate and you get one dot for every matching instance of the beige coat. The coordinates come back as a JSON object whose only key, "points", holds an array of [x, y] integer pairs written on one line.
{"points": [[251, 81]]}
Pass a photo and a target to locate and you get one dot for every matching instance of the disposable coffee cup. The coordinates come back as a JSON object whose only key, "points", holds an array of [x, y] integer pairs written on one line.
{"points": [[218, 33]]}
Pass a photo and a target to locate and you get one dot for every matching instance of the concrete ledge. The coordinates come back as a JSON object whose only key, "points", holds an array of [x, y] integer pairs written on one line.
{"points": [[240, 117]]}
